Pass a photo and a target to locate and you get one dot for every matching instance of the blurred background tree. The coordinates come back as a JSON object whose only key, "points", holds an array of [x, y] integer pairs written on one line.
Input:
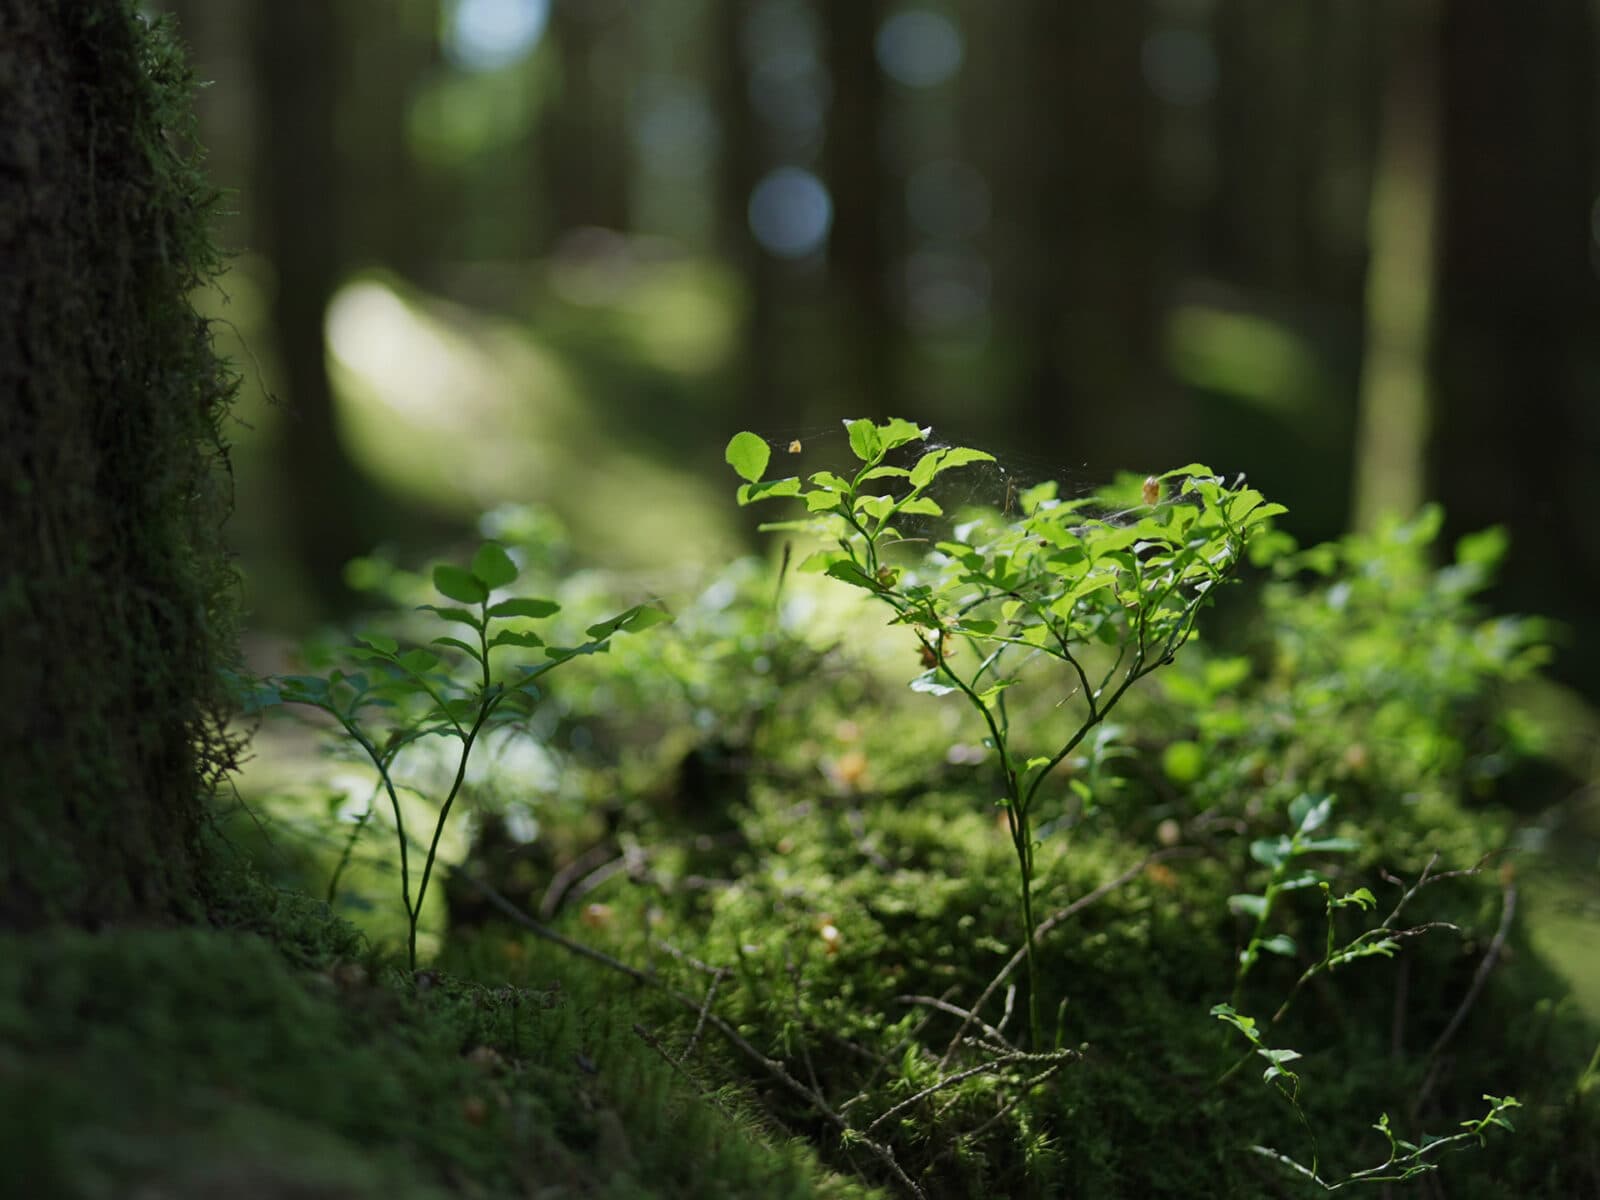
{"points": [[523, 249]]}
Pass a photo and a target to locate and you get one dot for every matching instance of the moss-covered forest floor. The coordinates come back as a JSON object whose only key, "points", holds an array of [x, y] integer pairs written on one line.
{"points": [[793, 885]]}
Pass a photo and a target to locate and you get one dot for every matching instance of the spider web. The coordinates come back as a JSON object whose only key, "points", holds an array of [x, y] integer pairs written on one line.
{"points": [[998, 485]]}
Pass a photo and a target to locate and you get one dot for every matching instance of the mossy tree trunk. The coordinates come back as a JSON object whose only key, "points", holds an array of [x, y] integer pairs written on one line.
{"points": [[115, 594]]}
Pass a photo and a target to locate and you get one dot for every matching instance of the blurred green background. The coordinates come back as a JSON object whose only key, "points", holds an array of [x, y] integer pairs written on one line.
{"points": [[557, 250]]}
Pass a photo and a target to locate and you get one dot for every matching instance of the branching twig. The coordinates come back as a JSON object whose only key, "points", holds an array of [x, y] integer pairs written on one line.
{"points": [[567, 875], [733, 1036], [968, 1017], [705, 1009], [994, 1064], [650, 1039]]}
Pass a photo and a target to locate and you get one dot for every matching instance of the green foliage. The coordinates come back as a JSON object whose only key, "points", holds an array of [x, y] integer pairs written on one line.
{"points": [[1370, 674], [414, 695], [844, 949], [1054, 581]]}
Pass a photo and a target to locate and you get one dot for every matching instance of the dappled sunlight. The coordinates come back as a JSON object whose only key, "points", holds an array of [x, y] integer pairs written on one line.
{"points": [[469, 412]]}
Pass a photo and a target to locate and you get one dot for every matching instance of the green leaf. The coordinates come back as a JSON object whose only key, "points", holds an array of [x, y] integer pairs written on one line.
{"points": [[257, 697], [302, 688], [511, 637], [1247, 905], [820, 502], [1279, 943], [927, 467], [749, 493], [1196, 469], [885, 473], [560, 654], [865, 443], [922, 505], [380, 643], [459, 615], [827, 479], [458, 644], [748, 455], [990, 693], [1183, 762], [936, 462], [927, 682], [635, 620], [898, 432], [1272, 852], [787, 527], [457, 584], [876, 507], [818, 561], [1264, 513], [524, 607], [848, 572], [1384, 947], [1245, 1025], [1309, 813], [418, 661], [492, 566], [1333, 845], [1361, 897]]}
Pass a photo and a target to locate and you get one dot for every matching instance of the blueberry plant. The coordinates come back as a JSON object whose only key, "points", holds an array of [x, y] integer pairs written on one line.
{"points": [[388, 699], [1103, 599]]}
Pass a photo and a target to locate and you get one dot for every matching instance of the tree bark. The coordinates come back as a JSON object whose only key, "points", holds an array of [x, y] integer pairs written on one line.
{"points": [[115, 608], [584, 134]]}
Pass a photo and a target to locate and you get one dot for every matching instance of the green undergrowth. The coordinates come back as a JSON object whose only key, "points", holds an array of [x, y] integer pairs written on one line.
{"points": [[1280, 895], [278, 1055], [845, 923]]}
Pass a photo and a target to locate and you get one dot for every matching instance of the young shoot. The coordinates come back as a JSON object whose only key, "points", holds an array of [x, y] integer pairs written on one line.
{"points": [[392, 698], [1104, 601]]}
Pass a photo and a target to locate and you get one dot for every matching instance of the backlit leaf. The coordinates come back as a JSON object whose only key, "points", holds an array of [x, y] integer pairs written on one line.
{"points": [[524, 606], [748, 456], [492, 566], [460, 585], [865, 443]]}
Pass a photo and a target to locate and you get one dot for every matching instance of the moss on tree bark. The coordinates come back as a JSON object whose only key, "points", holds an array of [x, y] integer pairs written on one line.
{"points": [[115, 596]]}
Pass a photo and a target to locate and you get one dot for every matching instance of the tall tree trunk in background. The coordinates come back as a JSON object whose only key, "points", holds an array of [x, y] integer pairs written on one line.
{"points": [[1517, 378], [585, 133], [399, 43], [860, 254], [299, 215], [1392, 424], [1265, 97], [117, 601], [765, 396], [1077, 198]]}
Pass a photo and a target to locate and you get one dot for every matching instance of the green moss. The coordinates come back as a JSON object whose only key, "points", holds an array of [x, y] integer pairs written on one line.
{"points": [[293, 1061]]}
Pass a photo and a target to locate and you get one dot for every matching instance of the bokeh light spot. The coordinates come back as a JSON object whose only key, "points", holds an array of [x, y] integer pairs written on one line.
{"points": [[485, 35], [919, 48], [791, 213]]}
